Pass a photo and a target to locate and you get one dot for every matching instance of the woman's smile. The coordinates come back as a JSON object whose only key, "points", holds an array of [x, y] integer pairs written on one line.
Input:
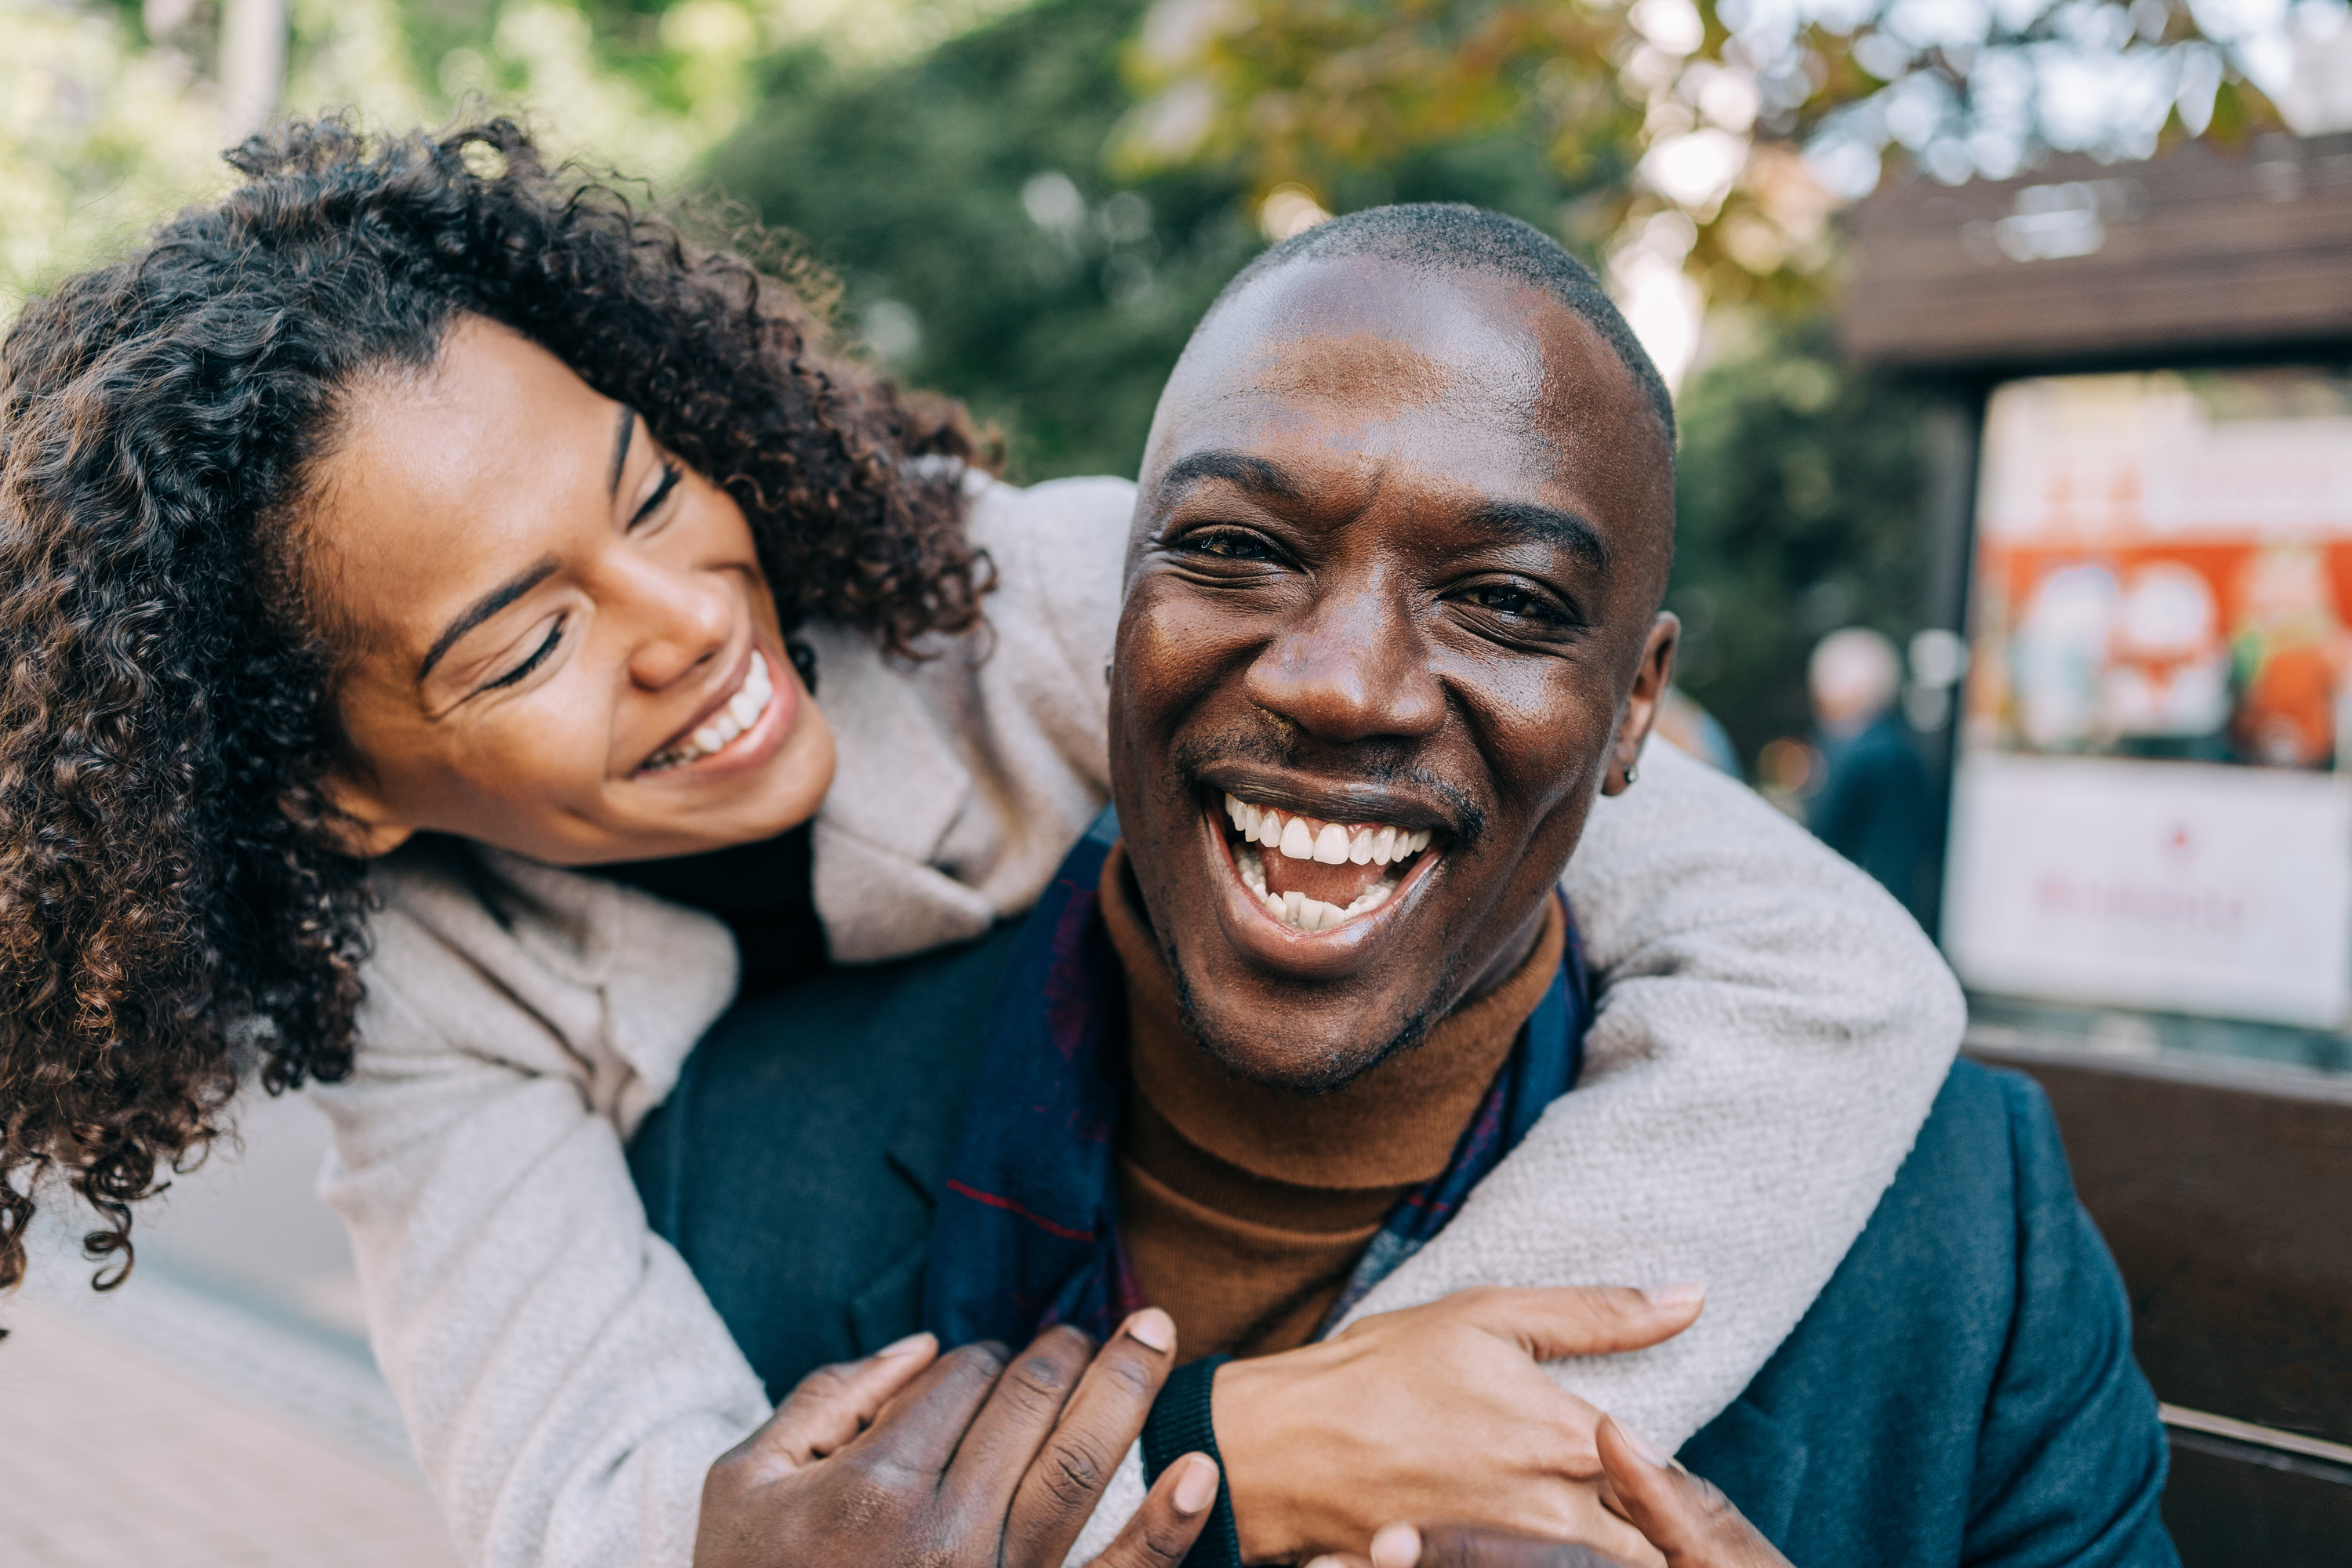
{"points": [[741, 728]]}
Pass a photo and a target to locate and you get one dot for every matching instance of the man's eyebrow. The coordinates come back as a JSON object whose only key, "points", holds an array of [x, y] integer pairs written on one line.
{"points": [[621, 447], [1253, 474], [483, 608], [1526, 522]]}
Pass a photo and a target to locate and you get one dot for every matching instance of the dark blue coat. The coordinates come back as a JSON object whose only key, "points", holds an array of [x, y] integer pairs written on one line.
{"points": [[1961, 1391]]}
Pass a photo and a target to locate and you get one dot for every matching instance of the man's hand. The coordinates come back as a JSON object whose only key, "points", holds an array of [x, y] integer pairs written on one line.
{"points": [[968, 1460], [1438, 1412], [1685, 1517]]}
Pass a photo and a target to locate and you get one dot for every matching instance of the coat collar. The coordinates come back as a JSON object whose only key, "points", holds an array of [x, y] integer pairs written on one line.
{"points": [[899, 786]]}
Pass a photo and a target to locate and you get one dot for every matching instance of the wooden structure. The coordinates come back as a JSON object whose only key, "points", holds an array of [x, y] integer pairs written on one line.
{"points": [[2212, 252], [2226, 1194], [2224, 1190]]}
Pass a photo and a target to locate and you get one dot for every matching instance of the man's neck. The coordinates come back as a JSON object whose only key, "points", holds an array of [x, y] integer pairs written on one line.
{"points": [[1246, 1206]]}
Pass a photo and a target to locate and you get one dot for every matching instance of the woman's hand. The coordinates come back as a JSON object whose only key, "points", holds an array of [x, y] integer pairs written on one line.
{"points": [[966, 1460], [1689, 1521], [1435, 1412]]}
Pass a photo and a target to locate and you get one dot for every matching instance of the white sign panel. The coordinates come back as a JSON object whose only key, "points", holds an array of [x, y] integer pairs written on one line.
{"points": [[2184, 887]]}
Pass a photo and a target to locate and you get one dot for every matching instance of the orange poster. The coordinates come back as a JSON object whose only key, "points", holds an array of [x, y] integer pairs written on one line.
{"points": [[2153, 802]]}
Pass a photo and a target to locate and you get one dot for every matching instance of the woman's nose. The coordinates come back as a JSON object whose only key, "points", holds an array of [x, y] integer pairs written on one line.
{"points": [[678, 621], [1355, 666]]}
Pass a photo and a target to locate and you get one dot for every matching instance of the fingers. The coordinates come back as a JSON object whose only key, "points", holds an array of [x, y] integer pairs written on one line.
{"points": [[921, 1427], [834, 1404], [1170, 1520], [1691, 1522], [1101, 1423], [1583, 1320], [1474, 1546], [1019, 1413]]}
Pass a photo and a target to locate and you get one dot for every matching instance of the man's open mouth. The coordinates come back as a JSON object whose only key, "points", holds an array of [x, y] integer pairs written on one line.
{"points": [[1313, 874]]}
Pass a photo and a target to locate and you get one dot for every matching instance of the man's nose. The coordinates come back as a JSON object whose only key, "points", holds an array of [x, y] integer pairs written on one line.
{"points": [[1356, 666], [677, 621]]}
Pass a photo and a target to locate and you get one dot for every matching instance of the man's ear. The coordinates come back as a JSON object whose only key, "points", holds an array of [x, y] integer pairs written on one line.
{"points": [[1656, 668], [357, 820]]}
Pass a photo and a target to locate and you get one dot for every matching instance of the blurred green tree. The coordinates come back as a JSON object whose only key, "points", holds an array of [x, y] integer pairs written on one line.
{"points": [[1741, 121], [988, 249], [1798, 510]]}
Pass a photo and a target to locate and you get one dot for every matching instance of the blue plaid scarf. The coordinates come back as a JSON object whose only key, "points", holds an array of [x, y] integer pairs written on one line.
{"points": [[1027, 1231]]}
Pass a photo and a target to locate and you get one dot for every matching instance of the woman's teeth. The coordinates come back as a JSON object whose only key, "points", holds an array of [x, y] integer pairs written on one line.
{"points": [[743, 710], [1326, 843]]}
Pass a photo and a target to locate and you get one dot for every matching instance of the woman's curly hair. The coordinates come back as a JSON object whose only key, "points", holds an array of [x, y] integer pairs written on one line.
{"points": [[173, 910]]}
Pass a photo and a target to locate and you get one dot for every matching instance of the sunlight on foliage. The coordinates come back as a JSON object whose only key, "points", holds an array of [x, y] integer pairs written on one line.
{"points": [[1744, 122], [106, 128]]}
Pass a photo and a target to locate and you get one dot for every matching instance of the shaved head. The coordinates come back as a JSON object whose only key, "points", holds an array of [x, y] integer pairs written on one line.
{"points": [[1447, 237]]}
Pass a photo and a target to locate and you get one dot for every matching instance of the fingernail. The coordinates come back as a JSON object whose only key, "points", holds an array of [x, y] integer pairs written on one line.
{"points": [[1153, 1328], [1196, 1488], [1396, 1546], [1643, 1449], [1676, 1295], [906, 1346]]}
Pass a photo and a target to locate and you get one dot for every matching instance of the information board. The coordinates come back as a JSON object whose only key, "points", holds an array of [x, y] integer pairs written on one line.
{"points": [[2153, 804]]}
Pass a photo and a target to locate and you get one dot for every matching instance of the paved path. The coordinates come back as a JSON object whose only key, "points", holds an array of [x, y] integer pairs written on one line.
{"points": [[218, 1411]]}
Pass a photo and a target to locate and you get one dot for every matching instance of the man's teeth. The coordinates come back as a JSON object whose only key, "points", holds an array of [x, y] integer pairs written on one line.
{"points": [[1294, 908], [743, 710], [1331, 845]]}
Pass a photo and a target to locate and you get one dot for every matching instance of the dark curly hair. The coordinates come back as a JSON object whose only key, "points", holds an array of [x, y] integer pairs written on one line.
{"points": [[174, 913]]}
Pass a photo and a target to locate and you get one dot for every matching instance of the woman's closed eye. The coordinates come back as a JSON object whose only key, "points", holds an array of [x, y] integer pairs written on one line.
{"points": [[539, 656], [671, 473]]}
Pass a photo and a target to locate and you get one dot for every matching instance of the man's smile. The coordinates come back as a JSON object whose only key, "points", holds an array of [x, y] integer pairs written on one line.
{"points": [[1313, 874]]}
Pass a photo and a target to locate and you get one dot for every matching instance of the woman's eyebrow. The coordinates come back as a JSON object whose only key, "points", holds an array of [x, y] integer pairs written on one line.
{"points": [[483, 608], [621, 447]]}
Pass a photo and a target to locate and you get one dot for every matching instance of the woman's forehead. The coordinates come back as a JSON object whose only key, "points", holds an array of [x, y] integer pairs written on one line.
{"points": [[443, 480]]}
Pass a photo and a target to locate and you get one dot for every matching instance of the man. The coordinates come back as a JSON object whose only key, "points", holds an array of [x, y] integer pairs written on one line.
{"points": [[1873, 804], [1391, 626]]}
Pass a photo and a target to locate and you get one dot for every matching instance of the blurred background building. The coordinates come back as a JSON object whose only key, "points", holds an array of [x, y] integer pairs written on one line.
{"points": [[2011, 340]]}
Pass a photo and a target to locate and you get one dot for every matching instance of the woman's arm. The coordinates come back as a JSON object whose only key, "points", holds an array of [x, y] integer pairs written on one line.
{"points": [[565, 1382], [1772, 1029]]}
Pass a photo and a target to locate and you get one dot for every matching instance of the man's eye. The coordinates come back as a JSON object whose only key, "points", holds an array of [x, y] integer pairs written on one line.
{"points": [[1229, 546], [1505, 600]]}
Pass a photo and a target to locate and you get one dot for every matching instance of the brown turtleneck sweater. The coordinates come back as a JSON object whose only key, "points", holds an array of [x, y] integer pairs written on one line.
{"points": [[1244, 1208]]}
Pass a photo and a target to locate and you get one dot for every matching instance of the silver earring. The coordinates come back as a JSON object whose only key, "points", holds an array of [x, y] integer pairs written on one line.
{"points": [[1632, 771], [1106, 672]]}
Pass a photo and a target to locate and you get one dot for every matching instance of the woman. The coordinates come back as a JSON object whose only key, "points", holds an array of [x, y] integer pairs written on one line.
{"points": [[419, 523]]}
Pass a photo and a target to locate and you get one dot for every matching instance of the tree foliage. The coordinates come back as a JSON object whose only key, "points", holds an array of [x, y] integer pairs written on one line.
{"points": [[1750, 118], [990, 246]]}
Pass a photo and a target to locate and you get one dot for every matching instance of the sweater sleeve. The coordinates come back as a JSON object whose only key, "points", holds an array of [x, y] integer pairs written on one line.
{"points": [[564, 1380], [1771, 1031]]}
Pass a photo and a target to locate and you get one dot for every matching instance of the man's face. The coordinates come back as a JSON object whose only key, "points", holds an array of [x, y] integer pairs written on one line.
{"points": [[1391, 623]]}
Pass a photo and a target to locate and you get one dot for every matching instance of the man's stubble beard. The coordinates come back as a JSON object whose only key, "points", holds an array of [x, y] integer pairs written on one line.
{"points": [[1336, 1076]]}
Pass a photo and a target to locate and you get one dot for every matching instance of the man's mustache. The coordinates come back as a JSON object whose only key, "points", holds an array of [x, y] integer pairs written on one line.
{"points": [[1373, 761]]}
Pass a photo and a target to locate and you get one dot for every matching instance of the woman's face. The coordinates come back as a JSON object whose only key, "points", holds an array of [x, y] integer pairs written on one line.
{"points": [[562, 644]]}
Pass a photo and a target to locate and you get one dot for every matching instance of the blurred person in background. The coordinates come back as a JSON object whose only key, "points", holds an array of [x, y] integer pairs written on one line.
{"points": [[1694, 732], [1874, 804]]}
